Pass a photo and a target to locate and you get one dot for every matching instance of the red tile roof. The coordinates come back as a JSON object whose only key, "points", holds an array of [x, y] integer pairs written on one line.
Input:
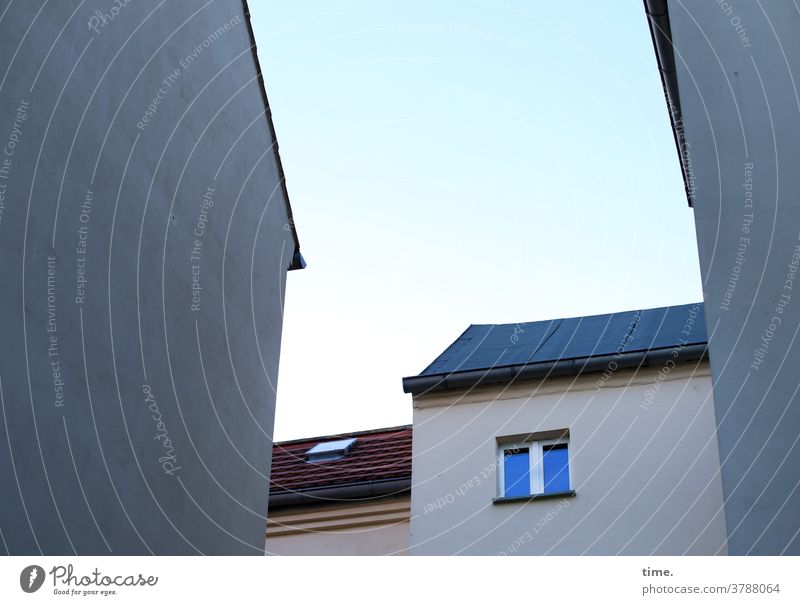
{"points": [[377, 455]]}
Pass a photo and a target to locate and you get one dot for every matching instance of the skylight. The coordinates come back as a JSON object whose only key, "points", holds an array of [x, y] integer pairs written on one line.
{"points": [[330, 450]]}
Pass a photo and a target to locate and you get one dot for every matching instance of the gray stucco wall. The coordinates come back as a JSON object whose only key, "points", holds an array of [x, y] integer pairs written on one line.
{"points": [[144, 242], [738, 67], [643, 458]]}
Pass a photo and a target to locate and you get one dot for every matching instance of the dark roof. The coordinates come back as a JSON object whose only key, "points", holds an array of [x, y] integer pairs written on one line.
{"points": [[489, 347], [378, 455]]}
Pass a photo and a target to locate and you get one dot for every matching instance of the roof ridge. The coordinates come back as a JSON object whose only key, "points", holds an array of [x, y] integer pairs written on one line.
{"points": [[390, 429], [553, 319]]}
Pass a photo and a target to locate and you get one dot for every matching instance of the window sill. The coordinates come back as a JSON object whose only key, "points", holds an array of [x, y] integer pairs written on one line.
{"points": [[547, 496]]}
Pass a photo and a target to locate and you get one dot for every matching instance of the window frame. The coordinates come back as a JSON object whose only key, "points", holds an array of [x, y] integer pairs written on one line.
{"points": [[536, 461]]}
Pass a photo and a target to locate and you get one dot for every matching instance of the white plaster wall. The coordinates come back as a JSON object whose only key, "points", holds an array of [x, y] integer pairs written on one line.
{"points": [[373, 541], [646, 476]]}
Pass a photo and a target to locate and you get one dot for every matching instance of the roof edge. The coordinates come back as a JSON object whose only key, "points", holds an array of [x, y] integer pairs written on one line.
{"points": [[389, 429], [657, 13], [423, 385], [298, 262], [460, 336], [336, 494]]}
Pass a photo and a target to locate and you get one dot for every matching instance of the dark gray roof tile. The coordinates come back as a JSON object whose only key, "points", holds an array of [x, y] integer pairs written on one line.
{"points": [[482, 347]]}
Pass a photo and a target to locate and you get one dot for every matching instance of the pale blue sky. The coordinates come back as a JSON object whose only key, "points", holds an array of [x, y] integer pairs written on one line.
{"points": [[461, 162]]}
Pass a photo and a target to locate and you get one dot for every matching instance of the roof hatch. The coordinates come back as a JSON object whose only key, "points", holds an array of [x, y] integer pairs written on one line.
{"points": [[331, 450]]}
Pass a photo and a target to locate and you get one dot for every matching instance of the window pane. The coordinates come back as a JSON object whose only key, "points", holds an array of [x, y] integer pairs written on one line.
{"points": [[517, 473], [556, 468]]}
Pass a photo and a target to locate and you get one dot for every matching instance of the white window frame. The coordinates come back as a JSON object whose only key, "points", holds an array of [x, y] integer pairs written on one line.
{"points": [[536, 460]]}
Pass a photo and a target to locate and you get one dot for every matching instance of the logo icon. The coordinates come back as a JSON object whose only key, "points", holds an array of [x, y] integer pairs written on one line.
{"points": [[31, 578]]}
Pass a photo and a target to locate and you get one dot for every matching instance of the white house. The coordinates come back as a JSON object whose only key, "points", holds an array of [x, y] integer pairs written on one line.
{"points": [[590, 435]]}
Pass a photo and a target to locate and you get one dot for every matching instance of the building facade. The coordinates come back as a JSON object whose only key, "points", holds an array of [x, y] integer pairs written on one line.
{"points": [[145, 236], [341, 495], [591, 435], [730, 72]]}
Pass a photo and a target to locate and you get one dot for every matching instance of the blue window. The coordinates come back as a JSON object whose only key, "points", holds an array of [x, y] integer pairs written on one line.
{"points": [[517, 472], [535, 467], [555, 463]]}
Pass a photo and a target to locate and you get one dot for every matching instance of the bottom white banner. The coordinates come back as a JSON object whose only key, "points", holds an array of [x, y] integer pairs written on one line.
{"points": [[350, 580]]}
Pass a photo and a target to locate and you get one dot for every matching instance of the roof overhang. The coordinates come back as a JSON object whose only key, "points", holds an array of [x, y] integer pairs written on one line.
{"points": [[431, 383], [661, 34], [338, 494], [297, 262]]}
